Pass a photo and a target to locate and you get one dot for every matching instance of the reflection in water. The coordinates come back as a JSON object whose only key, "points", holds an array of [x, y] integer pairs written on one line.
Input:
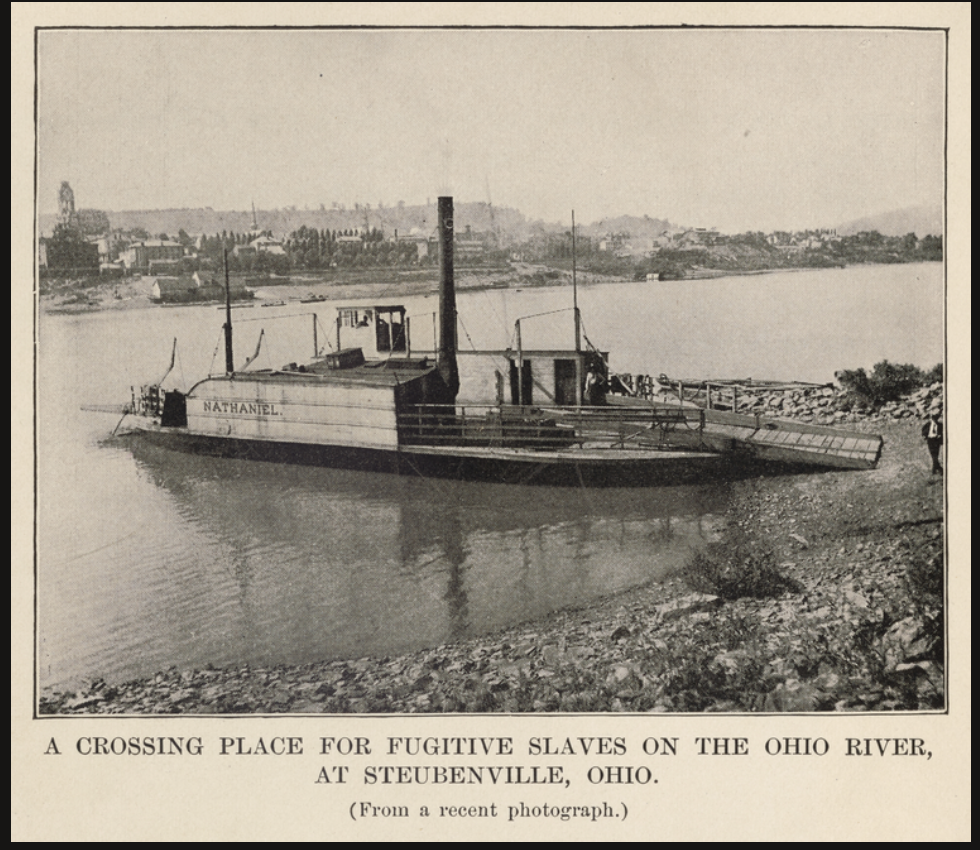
{"points": [[455, 591], [265, 563]]}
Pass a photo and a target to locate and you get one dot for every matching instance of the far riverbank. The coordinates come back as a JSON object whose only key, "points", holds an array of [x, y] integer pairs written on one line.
{"points": [[91, 295]]}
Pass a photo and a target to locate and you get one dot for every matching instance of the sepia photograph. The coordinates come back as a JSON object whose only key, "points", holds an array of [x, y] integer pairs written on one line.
{"points": [[432, 372], [621, 391]]}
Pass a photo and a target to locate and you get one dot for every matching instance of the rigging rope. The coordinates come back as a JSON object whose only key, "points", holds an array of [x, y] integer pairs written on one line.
{"points": [[214, 356], [326, 336], [180, 368], [468, 338], [503, 324], [495, 359]]}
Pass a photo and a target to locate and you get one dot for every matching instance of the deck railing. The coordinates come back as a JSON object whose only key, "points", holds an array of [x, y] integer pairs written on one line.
{"points": [[543, 427]]}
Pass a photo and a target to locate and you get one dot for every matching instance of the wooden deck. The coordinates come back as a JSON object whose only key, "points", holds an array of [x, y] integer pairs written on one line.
{"points": [[637, 433], [783, 441]]}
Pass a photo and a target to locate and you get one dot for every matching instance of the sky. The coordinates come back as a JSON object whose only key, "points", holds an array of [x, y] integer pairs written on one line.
{"points": [[739, 129]]}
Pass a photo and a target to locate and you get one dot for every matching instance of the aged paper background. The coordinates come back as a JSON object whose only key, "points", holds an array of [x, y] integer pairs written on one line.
{"points": [[74, 798]]}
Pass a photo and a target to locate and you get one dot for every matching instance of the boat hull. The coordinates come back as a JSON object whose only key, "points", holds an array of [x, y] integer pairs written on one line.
{"points": [[556, 468]]}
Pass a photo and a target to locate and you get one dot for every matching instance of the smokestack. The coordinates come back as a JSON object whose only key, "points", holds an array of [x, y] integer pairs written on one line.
{"points": [[446, 355]]}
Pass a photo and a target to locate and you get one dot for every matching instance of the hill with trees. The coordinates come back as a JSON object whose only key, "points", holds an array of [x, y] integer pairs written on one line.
{"points": [[921, 220]]}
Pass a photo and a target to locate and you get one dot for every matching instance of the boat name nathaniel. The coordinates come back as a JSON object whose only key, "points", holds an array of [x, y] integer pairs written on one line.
{"points": [[242, 408]]}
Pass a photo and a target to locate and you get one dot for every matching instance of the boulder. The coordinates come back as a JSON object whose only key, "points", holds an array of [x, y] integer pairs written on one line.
{"points": [[904, 642], [793, 696], [691, 604]]}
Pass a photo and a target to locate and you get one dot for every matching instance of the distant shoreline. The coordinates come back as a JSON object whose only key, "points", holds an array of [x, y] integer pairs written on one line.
{"points": [[74, 298]]}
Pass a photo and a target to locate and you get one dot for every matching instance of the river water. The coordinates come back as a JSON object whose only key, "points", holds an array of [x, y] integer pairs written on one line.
{"points": [[149, 558]]}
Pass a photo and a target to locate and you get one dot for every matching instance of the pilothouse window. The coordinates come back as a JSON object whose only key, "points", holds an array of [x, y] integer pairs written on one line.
{"points": [[390, 329]]}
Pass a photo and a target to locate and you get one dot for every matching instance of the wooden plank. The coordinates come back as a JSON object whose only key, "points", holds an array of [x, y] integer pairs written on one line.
{"points": [[777, 453], [737, 419], [723, 417]]}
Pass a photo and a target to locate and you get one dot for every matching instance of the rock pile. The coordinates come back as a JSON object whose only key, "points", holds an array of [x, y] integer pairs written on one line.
{"points": [[830, 405]]}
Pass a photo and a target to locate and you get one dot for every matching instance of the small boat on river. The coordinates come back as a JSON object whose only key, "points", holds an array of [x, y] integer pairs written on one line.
{"points": [[515, 415]]}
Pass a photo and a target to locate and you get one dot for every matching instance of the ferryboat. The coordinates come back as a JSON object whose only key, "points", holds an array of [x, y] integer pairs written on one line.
{"points": [[514, 415]]}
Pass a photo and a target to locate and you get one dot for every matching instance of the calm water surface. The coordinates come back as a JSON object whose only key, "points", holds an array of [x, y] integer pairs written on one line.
{"points": [[149, 558]]}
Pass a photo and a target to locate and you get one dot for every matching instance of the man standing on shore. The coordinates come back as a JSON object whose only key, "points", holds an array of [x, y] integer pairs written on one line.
{"points": [[932, 433]]}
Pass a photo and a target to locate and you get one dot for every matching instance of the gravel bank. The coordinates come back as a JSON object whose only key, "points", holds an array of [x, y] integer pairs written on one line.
{"points": [[134, 292]]}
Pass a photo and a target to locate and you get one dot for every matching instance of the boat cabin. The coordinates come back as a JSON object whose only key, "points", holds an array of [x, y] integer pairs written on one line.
{"points": [[379, 332], [546, 377]]}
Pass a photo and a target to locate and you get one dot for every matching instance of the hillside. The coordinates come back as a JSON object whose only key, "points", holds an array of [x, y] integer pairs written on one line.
{"points": [[639, 227], [922, 221], [510, 225], [479, 216]]}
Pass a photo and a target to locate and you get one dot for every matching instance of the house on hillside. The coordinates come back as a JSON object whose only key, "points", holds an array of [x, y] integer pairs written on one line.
{"points": [[267, 245], [626, 245], [172, 290], [469, 245], [199, 287], [697, 237], [425, 244], [612, 242], [261, 244], [638, 246], [158, 253], [107, 243], [211, 289]]}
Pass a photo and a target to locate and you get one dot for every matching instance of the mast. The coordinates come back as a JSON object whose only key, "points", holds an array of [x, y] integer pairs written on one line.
{"points": [[579, 377], [446, 354], [229, 355], [578, 317], [520, 363]]}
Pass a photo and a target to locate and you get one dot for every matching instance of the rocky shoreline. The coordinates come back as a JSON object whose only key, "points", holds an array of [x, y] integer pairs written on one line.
{"points": [[832, 405], [837, 605]]}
